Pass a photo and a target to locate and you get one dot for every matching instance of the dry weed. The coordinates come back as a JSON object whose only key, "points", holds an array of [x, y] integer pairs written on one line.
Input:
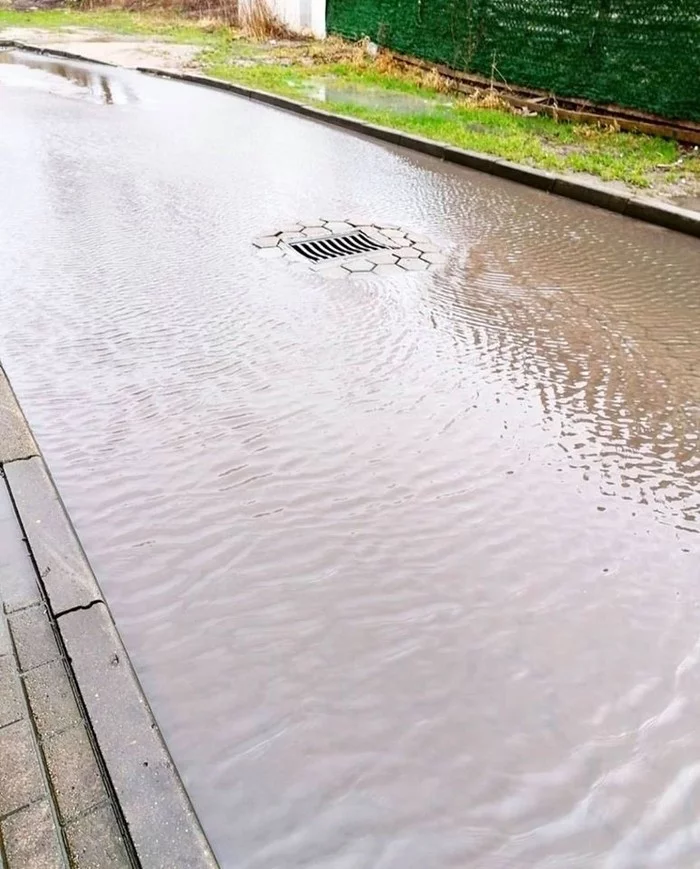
{"points": [[258, 20], [488, 99]]}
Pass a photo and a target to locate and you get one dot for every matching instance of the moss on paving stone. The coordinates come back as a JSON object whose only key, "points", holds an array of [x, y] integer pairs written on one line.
{"points": [[342, 78]]}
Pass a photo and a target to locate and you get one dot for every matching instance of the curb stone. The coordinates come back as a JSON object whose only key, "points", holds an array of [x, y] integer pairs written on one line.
{"points": [[650, 211], [61, 628], [15, 436]]}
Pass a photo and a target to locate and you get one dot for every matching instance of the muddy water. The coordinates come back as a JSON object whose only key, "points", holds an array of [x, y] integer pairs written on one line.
{"points": [[408, 567]]}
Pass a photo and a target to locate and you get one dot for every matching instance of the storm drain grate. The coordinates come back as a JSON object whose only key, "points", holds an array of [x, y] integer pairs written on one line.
{"points": [[331, 247]]}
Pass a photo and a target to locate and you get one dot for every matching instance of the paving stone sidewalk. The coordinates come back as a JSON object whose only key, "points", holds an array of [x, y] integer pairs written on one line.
{"points": [[86, 781], [55, 808]]}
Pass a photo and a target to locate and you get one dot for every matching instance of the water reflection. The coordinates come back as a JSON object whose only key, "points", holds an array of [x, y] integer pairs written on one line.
{"points": [[345, 527], [62, 78], [614, 367]]}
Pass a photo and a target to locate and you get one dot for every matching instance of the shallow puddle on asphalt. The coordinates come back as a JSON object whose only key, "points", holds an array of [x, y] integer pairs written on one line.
{"points": [[22, 69], [409, 567]]}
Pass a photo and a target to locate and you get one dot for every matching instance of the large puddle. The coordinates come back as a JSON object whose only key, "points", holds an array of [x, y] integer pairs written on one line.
{"points": [[408, 566]]}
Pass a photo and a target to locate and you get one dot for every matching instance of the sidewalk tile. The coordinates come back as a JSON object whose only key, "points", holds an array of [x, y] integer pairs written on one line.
{"points": [[94, 842], [10, 697], [74, 773], [31, 839], [20, 782], [51, 698], [33, 636]]}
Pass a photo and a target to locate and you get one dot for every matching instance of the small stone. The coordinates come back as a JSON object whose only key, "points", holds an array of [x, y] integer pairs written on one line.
{"points": [[413, 265], [434, 258], [359, 265], [266, 241], [338, 226], [381, 257], [407, 253]]}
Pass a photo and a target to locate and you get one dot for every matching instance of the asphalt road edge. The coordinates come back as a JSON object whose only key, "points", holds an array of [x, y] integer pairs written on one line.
{"points": [[149, 796], [650, 211]]}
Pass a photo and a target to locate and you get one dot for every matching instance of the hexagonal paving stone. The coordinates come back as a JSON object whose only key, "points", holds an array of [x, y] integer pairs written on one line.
{"points": [[338, 226], [389, 242], [266, 241], [315, 232], [311, 221], [292, 227], [416, 237], [333, 273], [388, 271], [434, 258], [392, 233], [426, 247], [381, 257], [413, 265], [358, 265], [407, 253]]}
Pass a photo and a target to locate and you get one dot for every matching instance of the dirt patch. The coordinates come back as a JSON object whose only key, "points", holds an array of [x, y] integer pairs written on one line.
{"points": [[128, 51]]}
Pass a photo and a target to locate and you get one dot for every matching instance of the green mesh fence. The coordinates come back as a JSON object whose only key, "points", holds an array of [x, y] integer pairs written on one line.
{"points": [[643, 54]]}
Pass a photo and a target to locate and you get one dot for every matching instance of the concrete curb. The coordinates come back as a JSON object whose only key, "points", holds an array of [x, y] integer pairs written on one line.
{"points": [[150, 797], [648, 210]]}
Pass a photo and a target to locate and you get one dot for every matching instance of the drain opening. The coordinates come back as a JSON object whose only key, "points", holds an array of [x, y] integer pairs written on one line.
{"points": [[331, 247]]}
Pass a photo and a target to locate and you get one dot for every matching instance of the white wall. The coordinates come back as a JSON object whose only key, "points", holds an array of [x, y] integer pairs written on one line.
{"points": [[303, 16]]}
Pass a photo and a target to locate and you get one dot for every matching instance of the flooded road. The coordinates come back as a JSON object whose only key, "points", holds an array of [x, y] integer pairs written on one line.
{"points": [[408, 566]]}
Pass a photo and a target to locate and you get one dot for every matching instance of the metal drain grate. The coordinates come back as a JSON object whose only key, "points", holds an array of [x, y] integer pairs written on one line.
{"points": [[333, 247]]}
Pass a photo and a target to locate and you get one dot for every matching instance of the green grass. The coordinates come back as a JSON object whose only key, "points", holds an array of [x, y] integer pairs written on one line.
{"points": [[536, 141], [172, 28]]}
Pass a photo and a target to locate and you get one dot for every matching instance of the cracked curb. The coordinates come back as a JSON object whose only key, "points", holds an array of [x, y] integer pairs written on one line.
{"points": [[161, 827]]}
